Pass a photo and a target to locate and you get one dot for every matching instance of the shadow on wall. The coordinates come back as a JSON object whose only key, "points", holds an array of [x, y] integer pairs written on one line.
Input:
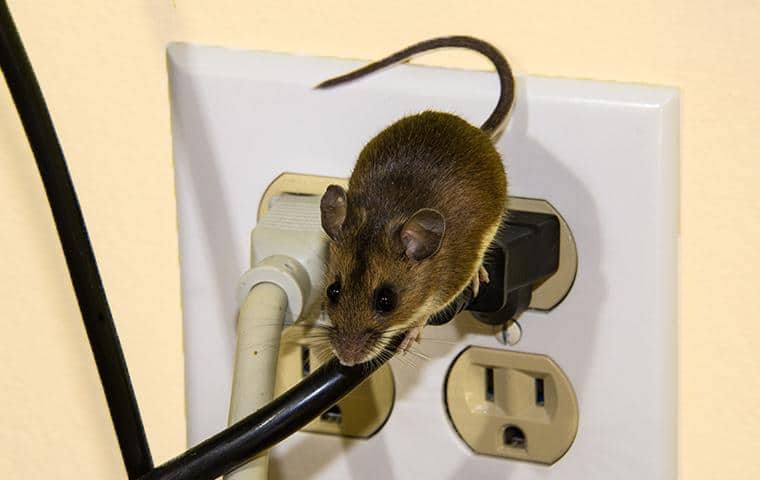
{"points": [[201, 186]]}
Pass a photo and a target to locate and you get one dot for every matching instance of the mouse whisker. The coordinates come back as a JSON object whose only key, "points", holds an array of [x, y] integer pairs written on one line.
{"points": [[321, 356], [375, 351], [406, 361], [320, 328], [438, 340], [324, 357], [321, 339], [380, 354], [318, 334], [316, 347], [316, 337], [418, 354], [375, 361], [320, 346], [397, 329]]}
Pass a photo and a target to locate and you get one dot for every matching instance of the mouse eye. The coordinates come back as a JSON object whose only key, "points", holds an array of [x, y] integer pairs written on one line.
{"points": [[385, 300], [333, 291]]}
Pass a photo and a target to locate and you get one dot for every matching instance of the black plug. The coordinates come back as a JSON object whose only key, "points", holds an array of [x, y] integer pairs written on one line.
{"points": [[524, 253]]}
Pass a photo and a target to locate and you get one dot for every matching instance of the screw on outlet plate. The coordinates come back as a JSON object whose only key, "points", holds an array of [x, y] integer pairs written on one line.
{"points": [[509, 334]]}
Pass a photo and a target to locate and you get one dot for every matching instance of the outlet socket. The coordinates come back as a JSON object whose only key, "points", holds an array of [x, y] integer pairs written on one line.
{"points": [[511, 404], [360, 414]]}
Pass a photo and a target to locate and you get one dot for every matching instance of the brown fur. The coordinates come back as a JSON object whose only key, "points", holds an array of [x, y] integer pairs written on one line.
{"points": [[430, 160]]}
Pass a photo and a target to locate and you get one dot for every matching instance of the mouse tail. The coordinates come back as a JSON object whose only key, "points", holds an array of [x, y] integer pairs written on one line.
{"points": [[496, 121]]}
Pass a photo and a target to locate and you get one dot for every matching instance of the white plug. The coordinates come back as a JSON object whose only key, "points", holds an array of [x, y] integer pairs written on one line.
{"points": [[288, 249]]}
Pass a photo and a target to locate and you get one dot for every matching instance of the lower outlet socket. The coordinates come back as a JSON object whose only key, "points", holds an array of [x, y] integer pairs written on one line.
{"points": [[511, 404], [360, 414]]}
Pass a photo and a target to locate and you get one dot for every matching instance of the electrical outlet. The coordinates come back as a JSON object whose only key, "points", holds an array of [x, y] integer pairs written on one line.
{"points": [[359, 414], [511, 404], [605, 155], [547, 295]]}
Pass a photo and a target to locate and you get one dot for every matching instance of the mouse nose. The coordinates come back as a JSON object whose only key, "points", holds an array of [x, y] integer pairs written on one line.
{"points": [[353, 348]]}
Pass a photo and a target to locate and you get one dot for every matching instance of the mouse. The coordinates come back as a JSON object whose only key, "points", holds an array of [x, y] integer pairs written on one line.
{"points": [[409, 235]]}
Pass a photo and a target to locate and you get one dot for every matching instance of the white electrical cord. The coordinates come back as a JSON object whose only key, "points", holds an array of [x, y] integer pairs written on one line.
{"points": [[259, 327], [288, 250]]}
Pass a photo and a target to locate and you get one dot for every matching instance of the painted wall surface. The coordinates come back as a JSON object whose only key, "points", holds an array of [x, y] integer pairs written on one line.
{"points": [[102, 67]]}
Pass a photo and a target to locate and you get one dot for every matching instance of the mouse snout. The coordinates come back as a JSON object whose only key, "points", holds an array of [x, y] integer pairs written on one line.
{"points": [[353, 348]]}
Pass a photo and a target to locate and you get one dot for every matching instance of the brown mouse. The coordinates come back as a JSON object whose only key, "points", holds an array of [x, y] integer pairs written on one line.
{"points": [[424, 202]]}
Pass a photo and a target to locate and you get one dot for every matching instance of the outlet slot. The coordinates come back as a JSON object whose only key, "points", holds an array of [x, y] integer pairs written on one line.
{"points": [[514, 437], [539, 383], [305, 361], [489, 384], [333, 415]]}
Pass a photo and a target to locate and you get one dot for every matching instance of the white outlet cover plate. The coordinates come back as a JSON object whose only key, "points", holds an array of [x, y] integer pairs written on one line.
{"points": [[604, 154]]}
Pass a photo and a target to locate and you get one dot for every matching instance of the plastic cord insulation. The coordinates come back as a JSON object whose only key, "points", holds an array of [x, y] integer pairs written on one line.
{"points": [[269, 425], [259, 327], [75, 242]]}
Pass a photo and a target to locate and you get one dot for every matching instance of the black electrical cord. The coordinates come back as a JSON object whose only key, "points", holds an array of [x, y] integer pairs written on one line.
{"points": [[269, 425], [80, 259]]}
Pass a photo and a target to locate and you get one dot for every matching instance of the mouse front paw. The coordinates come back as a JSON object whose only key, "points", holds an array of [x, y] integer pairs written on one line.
{"points": [[477, 279], [413, 335]]}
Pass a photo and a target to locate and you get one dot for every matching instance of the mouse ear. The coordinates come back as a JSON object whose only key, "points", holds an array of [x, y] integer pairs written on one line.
{"points": [[333, 207], [421, 235]]}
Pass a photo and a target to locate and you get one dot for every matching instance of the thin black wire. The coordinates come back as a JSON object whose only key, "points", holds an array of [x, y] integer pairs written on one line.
{"points": [[80, 259]]}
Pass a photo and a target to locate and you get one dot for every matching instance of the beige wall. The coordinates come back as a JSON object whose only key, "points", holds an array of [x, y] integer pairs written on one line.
{"points": [[102, 67]]}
